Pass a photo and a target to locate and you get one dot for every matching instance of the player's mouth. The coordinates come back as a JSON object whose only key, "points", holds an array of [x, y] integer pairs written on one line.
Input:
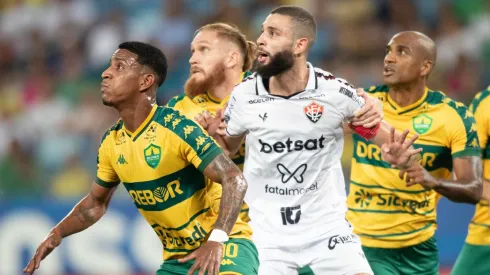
{"points": [[388, 70], [104, 86], [195, 70], [262, 56]]}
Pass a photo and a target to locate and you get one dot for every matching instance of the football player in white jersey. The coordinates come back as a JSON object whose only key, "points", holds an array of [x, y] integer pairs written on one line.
{"points": [[292, 115]]}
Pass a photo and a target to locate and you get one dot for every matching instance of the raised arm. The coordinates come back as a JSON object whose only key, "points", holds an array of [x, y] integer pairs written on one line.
{"points": [[87, 212]]}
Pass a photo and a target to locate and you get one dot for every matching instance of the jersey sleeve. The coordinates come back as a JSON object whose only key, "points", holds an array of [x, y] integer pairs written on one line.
{"points": [[351, 102], [235, 115], [106, 175], [194, 144], [482, 117], [463, 136]]}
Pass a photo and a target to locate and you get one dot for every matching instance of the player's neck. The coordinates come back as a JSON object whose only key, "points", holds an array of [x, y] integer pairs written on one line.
{"points": [[224, 89], [133, 115], [292, 81], [405, 95]]}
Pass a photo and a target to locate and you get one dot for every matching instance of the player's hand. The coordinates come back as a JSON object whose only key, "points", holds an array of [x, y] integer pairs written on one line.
{"points": [[418, 175], [399, 152], [207, 258], [371, 113], [213, 125], [46, 247]]}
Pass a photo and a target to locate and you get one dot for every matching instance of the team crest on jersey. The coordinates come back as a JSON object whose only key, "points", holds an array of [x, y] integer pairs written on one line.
{"points": [[153, 154], [314, 112], [421, 124]]}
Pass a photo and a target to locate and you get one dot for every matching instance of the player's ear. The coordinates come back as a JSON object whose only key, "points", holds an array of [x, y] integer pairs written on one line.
{"points": [[300, 46], [426, 67], [146, 81], [233, 59]]}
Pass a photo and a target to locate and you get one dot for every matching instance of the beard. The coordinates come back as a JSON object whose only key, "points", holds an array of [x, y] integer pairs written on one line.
{"points": [[194, 87], [279, 63]]}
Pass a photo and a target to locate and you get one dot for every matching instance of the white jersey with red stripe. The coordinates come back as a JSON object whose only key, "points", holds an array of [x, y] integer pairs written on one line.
{"points": [[294, 144]]}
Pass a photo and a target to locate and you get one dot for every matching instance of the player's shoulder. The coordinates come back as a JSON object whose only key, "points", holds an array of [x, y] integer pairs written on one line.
{"points": [[247, 86], [326, 80], [481, 99], [175, 100], [452, 109], [112, 131]]}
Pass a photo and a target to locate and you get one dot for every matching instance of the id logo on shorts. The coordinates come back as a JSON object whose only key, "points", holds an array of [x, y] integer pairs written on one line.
{"points": [[287, 214]]}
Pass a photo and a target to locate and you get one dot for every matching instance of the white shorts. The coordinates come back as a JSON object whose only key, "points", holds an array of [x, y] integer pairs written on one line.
{"points": [[337, 254]]}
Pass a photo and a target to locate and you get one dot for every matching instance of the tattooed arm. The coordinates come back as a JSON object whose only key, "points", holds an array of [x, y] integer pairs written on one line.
{"points": [[208, 257], [224, 171], [466, 187], [87, 212]]}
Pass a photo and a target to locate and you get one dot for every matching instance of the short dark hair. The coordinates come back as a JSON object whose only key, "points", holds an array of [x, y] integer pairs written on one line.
{"points": [[304, 21], [150, 56]]}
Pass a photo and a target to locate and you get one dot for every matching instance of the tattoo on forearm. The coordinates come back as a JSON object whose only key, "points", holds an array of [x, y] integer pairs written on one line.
{"points": [[234, 188]]}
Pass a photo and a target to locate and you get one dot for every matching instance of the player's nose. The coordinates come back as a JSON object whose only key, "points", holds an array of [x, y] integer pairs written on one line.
{"points": [[261, 40], [390, 58], [106, 73]]}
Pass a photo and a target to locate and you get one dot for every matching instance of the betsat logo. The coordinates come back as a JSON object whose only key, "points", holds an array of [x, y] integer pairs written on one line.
{"points": [[159, 195], [290, 191], [292, 145]]}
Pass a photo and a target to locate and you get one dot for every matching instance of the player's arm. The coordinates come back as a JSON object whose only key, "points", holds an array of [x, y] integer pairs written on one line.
{"points": [[467, 165], [223, 170], [86, 212], [368, 116], [198, 148], [396, 149]]}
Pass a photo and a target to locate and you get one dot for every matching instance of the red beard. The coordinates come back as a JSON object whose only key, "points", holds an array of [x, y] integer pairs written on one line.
{"points": [[194, 87]]}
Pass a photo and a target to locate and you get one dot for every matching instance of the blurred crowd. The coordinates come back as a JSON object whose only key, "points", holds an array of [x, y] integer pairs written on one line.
{"points": [[52, 53]]}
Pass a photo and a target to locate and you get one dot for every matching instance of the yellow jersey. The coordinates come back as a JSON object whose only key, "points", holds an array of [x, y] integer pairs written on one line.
{"points": [[205, 102], [479, 228], [384, 211], [161, 165]]}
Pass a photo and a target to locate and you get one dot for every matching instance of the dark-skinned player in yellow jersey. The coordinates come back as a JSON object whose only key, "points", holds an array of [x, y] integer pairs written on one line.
{"points": [[162, 159], [393, 211]]}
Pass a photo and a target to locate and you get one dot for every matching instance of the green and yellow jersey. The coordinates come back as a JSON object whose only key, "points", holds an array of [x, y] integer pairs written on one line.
{"points": [[161, 165], [479, 228], [205, 102], [385, 213]]}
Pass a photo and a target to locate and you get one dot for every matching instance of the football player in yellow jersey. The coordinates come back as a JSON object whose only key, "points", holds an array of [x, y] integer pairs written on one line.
{"points": [[162, 159], [396, 219], [221, 57], [474, 258]]}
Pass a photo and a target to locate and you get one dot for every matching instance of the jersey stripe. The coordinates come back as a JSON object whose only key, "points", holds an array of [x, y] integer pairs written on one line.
{"points": [[166, 191]]}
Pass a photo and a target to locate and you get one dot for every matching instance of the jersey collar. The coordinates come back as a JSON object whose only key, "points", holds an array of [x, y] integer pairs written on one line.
{"points": [[143, 125], [312, 83], [403, 110]]}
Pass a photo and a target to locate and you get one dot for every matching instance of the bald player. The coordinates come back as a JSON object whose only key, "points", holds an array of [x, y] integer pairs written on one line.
{"points": [[393, 211]]}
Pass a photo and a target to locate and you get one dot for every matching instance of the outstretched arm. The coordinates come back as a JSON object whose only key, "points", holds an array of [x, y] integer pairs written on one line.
{"points": [[87, 212]]}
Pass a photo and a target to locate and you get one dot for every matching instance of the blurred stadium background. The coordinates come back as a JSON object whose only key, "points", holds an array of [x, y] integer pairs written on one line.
{"points": [[52, 53]]}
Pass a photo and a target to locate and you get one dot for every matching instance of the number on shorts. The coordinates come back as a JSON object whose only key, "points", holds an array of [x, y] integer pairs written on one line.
{"points": [[231, 250]]}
